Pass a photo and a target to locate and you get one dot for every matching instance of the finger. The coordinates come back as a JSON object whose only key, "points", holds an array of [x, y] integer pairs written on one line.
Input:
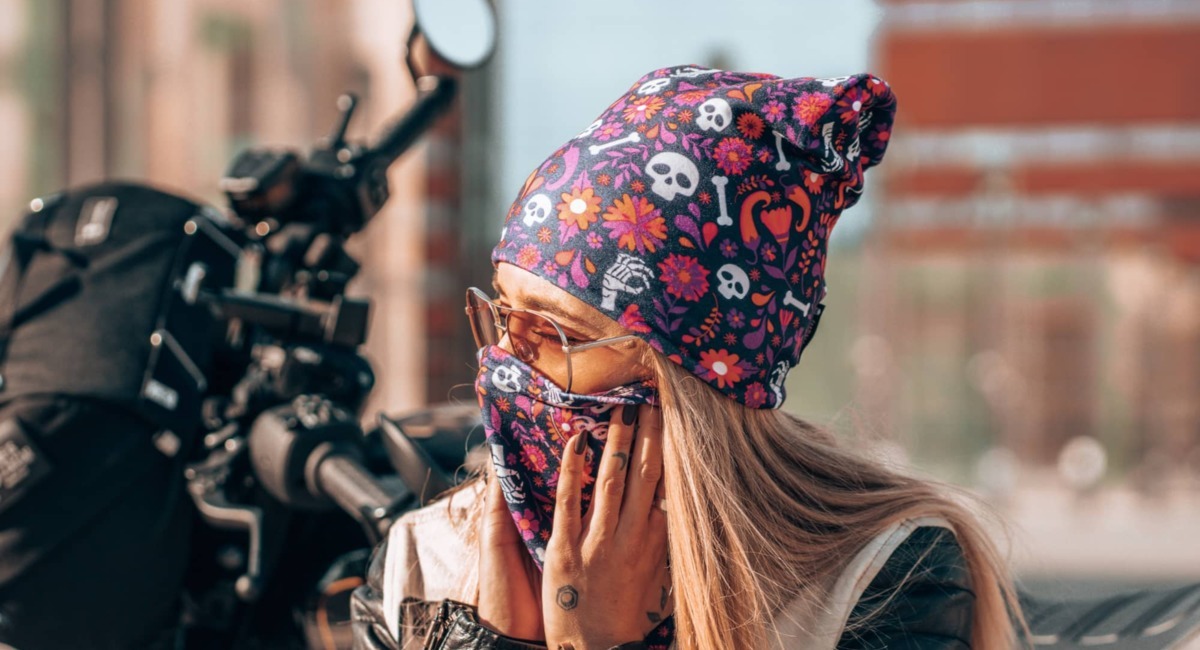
{"points": [[508, 582], [570, 480], [645, 470], [614, 464], [498, 522]]}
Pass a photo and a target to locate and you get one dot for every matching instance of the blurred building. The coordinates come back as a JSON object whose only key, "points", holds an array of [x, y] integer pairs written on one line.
{"points": [[168, 91], [1034, 272]]}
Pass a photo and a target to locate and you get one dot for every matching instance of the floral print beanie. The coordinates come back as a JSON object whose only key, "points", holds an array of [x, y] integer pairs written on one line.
{"points": [[696, 211]]}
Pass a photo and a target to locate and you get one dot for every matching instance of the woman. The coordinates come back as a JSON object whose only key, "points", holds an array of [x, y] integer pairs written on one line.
{"points": [[657, 278]]}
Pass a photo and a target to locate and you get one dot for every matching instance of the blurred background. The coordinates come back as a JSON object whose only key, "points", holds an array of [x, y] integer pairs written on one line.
{"points": [[1014, 307]]}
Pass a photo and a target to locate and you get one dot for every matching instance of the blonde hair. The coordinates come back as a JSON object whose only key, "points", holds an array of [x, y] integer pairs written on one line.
{"points": [[764, 506]]}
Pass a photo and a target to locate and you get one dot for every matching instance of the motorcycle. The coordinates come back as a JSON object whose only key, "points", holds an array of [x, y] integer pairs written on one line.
{"points": [[281, 459]]}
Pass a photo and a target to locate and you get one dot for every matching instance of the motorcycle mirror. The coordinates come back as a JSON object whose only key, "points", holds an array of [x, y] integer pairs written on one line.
{"points": [[462, 32]]}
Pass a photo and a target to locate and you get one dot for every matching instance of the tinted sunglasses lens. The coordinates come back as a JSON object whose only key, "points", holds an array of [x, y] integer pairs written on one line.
{"points": [[483, 320]]}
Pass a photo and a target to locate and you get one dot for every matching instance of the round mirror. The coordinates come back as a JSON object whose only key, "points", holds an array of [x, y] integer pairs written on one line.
{"points": [[463, 32]]}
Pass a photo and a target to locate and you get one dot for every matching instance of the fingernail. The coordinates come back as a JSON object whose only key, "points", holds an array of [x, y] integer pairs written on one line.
{"points": [[581, 442], [629, 414]]}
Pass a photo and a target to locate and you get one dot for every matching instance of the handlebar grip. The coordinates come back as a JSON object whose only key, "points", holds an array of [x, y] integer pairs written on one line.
{"points": [[355, 490]]}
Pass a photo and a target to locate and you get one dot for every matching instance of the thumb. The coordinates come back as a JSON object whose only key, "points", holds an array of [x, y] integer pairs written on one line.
{"points": [[498, 527]]}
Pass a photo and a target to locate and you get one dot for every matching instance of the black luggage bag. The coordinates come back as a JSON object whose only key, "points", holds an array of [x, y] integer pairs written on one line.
{"points": [[104, 355]]}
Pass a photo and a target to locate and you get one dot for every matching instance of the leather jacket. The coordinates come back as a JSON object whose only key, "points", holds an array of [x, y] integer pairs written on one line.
{"points": [[920, 599]]}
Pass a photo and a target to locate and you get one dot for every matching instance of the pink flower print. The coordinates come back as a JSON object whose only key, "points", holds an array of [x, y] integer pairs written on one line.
{"points": [[774, 111], [527, 522]]}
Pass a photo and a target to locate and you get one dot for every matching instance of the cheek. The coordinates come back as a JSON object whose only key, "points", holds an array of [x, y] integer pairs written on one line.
{"points": [[601, 372]]}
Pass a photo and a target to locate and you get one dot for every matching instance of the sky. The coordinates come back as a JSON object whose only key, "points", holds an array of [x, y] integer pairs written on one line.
{"points": [[561, 62]]}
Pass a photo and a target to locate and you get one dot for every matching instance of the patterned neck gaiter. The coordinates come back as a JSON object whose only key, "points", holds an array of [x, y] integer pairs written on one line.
{"points": [[528, 420]]}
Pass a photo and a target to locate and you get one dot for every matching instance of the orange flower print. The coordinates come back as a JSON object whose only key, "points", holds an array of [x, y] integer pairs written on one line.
{"points": [[635, 223], [642, 109], [529, 257], [811, 106], [720, 366], [750, 125], [579, 207], [691, 97]]}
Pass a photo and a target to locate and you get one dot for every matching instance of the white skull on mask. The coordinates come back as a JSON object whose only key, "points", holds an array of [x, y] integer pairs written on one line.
{"points": [[734, 282], [673, 175], [714, 115], [536, 209], [654, 86], [507, 379]]}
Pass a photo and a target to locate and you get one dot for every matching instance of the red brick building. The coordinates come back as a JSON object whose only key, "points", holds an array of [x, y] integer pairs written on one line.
{"points": [[1040, 237]]}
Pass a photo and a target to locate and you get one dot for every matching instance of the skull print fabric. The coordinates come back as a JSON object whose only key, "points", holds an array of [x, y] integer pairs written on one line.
{"points": [[528, 421], [696, 211]]}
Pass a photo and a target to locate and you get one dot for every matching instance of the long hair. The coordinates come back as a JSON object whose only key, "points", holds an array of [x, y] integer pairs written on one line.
{"points": [[762, 507]]}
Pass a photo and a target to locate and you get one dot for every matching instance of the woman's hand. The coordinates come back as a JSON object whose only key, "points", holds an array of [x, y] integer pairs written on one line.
{"points": [[606, 580], [508, 579]]}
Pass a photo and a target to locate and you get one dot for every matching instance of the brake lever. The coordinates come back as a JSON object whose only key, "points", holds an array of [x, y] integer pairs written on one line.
{"points": [[206, 485]]}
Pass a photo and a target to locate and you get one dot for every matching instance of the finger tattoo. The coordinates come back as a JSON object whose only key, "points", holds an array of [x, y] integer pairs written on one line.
{"points": [[623, 457], [654, 617], [662, 600], [567, 597]]}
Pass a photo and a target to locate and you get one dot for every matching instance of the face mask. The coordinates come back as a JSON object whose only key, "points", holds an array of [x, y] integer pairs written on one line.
{"points": [[528, 420]]}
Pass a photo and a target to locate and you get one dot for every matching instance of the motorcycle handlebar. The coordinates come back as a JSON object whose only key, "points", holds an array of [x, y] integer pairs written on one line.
{"points": [[437, 93], [341, 477]]}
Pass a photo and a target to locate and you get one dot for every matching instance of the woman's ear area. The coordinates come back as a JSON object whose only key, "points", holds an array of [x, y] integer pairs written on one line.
{"points": [[648, 364]]}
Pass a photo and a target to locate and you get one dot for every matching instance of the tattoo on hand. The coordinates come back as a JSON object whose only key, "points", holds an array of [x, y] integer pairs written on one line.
{"points": [[662, 600], [623, 457], [567, 597], [654, 617]]}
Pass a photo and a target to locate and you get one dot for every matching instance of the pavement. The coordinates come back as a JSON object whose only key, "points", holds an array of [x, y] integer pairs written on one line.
{"points": [[1109, 539]]}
